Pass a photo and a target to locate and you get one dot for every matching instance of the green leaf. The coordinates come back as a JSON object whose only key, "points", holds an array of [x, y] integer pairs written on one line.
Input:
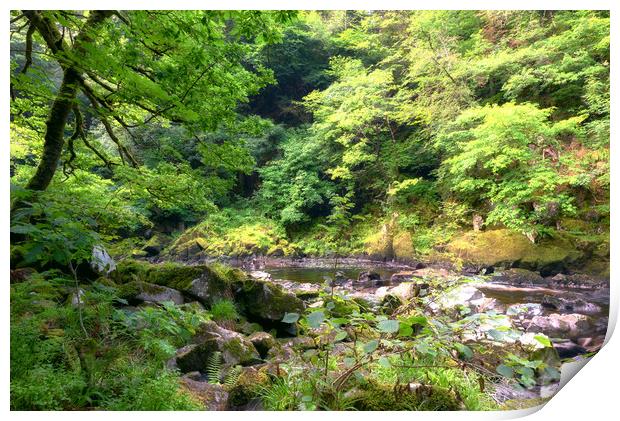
{"points": [[553, 372], [290, 317], [505, 371], [388, 326], [340, 336], [405, 330], [23, 229], [384, 362], [496, 334], [464, 350], [543, 340], [315, 319], [371, 346]]}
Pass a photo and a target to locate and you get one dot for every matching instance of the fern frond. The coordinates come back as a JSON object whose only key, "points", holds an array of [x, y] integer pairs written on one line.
{"points": [[214, 367], [232, 376]]}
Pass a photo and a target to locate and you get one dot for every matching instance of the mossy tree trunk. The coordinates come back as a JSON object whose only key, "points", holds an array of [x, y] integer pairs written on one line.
{"points": [[55, 130], [66, 96]]}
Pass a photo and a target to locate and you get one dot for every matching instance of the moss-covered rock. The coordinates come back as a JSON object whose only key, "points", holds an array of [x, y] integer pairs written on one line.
{"points": [[374, 396], [268, 301], [235, 348], [205, 283], [390, 303], [519, 277], [128, 270], [263, 342], [248, 328], [212, 396], [503, 248], [156, 244], [248, 386], [144, 291], [403, 247]]}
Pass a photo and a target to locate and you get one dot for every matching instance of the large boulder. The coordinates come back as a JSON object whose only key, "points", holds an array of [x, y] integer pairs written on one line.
{"points": [[519, 277], [577, 281], [263, 342], [259, 274], [461, 295], [303, 290], [207, 284], [561, 325], [234, 348], [101, 262], [525, 311], [214, 397], [267, 301], [408, 290], [570, 303], [138, 291], [504, 248], [216, 282]]}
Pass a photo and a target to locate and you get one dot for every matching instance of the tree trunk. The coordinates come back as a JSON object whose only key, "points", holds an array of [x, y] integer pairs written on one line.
{"points": [[63, 103], [55, 131]]}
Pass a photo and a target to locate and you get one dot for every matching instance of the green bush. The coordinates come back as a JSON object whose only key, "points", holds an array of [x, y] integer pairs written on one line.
{"points": [[224, 310]]}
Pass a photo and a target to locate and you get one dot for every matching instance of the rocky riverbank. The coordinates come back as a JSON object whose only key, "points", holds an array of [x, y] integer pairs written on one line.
{"points": [[517, 306]]}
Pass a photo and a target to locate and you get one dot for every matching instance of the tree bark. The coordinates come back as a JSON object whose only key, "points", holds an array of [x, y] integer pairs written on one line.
{"points": [[54, 139]]}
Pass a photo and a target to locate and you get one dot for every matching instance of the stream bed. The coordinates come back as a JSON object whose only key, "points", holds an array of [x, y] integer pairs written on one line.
{"points": [[576, 319]]}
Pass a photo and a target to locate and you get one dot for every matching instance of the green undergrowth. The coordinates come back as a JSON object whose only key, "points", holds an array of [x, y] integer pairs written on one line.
{"points": [[112, 359], [404, 237], [232, 232], [465, 383]]}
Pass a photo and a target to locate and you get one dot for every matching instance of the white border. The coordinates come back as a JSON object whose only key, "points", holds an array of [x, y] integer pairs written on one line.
{"points": [[592, 394]]}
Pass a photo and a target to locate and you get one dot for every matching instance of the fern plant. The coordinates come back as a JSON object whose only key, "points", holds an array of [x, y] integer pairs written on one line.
{"points": [[214, 367], [232, 376]]}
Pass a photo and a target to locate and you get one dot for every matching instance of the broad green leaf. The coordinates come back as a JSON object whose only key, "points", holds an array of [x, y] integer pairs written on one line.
{"points": [[340, 336], [496, 334], [405, 330], [505, 371], [464, 350], [315, 319], [388, 326], [290, 317], [543, 340], [371, 346], [384, 362]]}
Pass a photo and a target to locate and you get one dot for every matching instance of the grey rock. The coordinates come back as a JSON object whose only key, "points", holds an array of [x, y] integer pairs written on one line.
{"points": [[519, 277], [213, 396], [560, 324], [101, 262]]}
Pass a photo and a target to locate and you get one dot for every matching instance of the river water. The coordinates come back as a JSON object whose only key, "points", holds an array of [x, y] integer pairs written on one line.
{"points": [[504, 295]]}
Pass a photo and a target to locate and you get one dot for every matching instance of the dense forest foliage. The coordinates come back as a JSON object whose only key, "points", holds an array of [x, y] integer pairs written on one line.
{"points": [[468, 137]]}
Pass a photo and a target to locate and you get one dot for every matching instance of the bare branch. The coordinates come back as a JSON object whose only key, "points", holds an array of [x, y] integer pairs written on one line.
{"points": [[79, 132], [122, 149]]}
